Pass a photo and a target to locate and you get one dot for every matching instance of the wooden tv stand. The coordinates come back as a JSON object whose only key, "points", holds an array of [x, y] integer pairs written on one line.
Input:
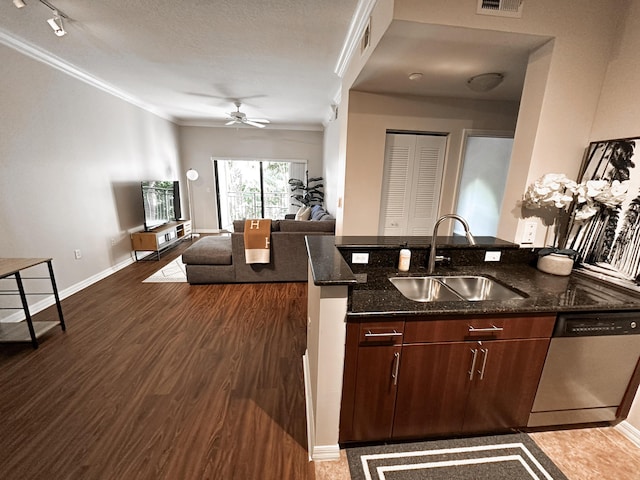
{"points": [[160, 238]]}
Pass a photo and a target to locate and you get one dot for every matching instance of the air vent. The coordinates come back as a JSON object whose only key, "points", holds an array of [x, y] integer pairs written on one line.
{"points": [[500, 8], [365, 41]]}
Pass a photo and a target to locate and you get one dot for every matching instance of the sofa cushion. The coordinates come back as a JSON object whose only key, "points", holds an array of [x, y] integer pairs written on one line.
{"points": [[316, 212], [303, 226], [303, 214], [238, 225], [214, 250]]}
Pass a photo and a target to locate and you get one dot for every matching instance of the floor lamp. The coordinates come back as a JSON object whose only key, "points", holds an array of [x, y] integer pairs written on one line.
{"points": [[192, 176]]}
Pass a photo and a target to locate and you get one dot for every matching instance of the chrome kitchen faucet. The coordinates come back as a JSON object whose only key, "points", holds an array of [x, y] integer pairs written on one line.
{"points": [[434, 236]]}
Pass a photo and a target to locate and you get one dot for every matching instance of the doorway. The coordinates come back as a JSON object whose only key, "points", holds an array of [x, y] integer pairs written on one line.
{"points": [[412, 179], [485, 165]]}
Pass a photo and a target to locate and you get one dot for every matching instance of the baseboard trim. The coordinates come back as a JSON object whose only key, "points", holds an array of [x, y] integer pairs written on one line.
{"points": [[316, 452], [67, 292], [325, 453], [308, 401], [629, 431]]}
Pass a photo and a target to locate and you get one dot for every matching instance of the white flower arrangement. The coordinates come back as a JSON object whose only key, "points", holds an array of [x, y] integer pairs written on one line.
{"points": [[556, 190]]}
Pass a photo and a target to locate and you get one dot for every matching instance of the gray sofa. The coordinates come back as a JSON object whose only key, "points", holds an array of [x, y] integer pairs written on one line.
{"points": [[221, 259]]}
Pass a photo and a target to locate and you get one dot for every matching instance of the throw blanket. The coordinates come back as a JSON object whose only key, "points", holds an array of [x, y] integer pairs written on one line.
{"points": [[257, 237]]}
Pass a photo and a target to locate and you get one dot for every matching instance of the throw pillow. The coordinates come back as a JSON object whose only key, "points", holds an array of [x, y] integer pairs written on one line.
{"points": [[304, 213]]}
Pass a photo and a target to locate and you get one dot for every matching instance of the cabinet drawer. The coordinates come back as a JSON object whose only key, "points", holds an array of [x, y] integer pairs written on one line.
{"points": [[381, 333], [478, 328]]}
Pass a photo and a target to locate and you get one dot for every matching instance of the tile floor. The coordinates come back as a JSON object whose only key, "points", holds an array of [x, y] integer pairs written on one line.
{"points": [[581, 454]]}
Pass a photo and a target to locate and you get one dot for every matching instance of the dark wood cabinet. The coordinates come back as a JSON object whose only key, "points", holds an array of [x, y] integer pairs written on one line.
{"points": [[504, 384], [453, 376], [433, 390], [370, 381]]}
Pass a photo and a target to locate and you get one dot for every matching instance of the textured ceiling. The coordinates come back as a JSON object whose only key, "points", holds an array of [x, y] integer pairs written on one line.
{"points": [[190, 61], [447, 57]]}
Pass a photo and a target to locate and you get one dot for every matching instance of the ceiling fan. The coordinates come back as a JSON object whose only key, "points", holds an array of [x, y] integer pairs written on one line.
{"points": [[240, 117]]}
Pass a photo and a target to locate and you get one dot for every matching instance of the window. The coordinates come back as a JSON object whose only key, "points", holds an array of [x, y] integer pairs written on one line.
{"points": [[254, 188]]}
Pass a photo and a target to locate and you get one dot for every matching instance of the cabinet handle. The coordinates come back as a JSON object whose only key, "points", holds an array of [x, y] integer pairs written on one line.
{"points": [[394, 334], [492, 328], [485, 352], [474, 352], [396, 367]]}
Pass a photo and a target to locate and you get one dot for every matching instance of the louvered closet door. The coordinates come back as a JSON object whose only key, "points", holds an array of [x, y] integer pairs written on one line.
{"points": [[411, 186]]}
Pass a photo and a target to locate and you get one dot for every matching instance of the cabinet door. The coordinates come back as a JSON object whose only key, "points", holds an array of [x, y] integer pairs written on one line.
{"points": [[434, 383], [505, 380], [375, 392]]}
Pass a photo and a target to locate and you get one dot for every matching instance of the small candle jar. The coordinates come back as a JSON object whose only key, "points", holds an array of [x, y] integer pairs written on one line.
{"points": [[405, 260]]}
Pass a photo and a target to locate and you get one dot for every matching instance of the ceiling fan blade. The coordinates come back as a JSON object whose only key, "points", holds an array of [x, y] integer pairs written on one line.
{"points": [[259, 120], [231, 122], [253, 124]]}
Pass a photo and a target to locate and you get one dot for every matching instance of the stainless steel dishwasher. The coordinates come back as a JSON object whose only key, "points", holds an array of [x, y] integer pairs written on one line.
{"points": [[591, 359]]}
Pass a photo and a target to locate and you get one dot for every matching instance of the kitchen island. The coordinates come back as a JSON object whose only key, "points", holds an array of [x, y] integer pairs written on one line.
{"points": [[343, 293]]}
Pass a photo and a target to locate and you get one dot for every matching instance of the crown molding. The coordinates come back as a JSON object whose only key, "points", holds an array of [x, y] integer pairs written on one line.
{"points": [[352, 40], [307, 127], [52, 61]]}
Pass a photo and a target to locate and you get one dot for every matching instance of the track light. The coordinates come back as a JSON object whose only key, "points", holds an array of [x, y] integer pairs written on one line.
{"points": [[56, 24], [19, 3]]}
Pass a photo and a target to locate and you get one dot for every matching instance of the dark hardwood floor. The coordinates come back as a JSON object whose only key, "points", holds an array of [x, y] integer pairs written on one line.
{"points": [[160, 381]]}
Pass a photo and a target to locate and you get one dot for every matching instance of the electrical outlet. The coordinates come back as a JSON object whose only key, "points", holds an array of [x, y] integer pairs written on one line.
{"points": [[77, 253], [114, 242], [529, 235], [359, 258], [492, 256]]}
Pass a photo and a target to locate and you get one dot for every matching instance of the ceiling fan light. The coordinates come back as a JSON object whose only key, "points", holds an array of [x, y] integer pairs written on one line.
{"points": [[485, 82], [19, 3]]}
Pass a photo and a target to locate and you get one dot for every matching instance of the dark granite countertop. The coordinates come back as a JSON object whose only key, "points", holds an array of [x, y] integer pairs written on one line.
{"points": [[545, 293], [372, 294], [456, 241], [328, 266]]}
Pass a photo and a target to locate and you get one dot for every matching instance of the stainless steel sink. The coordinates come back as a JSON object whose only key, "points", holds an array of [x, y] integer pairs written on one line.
{"points": [[473, 288], [476, 288], [424, 289]]}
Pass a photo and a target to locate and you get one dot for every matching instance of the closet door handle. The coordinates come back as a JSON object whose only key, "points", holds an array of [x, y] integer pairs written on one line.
{"points": [[485, 352], [396, 368], [474, 353]]}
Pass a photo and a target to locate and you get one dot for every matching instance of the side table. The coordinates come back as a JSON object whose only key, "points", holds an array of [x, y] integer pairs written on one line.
{"points": [[16, 332]]}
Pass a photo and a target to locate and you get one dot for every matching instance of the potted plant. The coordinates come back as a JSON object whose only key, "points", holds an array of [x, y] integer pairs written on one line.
{"points": [[307, 193]]}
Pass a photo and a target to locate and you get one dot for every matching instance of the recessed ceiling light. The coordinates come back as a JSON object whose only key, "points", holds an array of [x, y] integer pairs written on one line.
{"points": [[19, 3], [415, 76]]}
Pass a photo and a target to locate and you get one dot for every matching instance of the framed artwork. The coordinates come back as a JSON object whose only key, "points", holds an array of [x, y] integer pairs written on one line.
{"points": [[609, 242]]}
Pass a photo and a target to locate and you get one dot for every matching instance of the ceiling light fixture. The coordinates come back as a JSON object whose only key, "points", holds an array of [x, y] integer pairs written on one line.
{"points": [[19, 3], [56, 24], [485, 82], [415, 76]]}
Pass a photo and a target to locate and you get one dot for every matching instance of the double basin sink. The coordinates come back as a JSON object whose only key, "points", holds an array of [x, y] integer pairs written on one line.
{"points": [[472, 288]]}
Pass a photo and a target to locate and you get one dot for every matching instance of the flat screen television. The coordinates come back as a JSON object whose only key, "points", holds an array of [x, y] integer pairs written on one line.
{"points": [[161, 202]]}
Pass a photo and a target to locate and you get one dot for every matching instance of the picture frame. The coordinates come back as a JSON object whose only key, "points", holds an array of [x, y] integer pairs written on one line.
{"points": [[608, 244]]}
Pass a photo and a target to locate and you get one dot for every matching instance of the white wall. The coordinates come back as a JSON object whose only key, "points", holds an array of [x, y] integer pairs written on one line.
{"points": [[331, 167], [199, 144], [617, 113], [554, 124], [371, 115], [71, 159]]}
